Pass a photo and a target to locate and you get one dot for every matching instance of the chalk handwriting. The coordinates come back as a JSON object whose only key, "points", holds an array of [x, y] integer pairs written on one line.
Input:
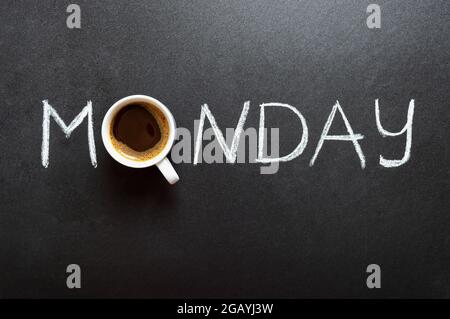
{"points": [[407, 128], [49, 111], [350, 137], [300, 147], [231, 147], [230, 153]]}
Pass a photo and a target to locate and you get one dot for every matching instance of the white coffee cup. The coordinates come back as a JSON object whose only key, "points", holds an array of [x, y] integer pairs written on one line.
{"points": [[160, 160]]}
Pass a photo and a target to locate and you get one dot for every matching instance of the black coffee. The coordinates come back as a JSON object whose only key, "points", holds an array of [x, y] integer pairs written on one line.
{"points": [[136, 127], [139, 131]]}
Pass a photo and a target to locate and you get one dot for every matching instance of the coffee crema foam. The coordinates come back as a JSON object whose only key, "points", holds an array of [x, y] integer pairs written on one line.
{"points": [[152, 152]]}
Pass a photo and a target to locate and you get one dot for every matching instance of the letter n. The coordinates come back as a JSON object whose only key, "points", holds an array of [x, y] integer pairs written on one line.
{"points": [[229, 152]]}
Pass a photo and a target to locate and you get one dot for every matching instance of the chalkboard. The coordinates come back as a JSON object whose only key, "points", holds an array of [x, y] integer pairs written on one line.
{"points": [[226, 230]]}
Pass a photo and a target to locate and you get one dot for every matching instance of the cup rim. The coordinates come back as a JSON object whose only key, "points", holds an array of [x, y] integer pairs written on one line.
{"points": [[107, 119]]}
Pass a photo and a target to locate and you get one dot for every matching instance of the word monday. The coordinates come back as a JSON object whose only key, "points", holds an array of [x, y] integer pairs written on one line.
{"points": [[230, 151]]}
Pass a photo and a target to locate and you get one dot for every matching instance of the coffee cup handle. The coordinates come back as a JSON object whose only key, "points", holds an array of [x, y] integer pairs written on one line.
{"points": [[168, 171]]}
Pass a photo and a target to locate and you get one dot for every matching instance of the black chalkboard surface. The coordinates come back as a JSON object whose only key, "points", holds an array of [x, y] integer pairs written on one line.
{"points": [[226, 230]]}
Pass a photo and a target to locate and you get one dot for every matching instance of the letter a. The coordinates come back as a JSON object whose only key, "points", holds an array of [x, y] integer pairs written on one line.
{"points": [[374, 279], [74, 279], [350, 137], [74, 19], [374, 19]]}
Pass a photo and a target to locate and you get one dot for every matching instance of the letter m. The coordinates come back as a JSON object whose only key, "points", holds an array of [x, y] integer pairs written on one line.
{"points": [[49, 111]]}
